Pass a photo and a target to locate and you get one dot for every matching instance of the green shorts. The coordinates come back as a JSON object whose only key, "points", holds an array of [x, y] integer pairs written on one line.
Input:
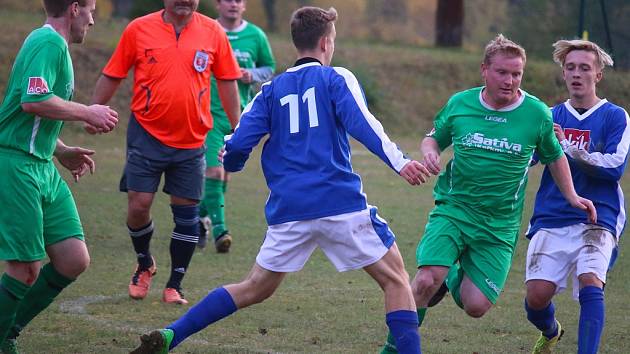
{"points": [[38, 208], [485, 255], [214, 140]]}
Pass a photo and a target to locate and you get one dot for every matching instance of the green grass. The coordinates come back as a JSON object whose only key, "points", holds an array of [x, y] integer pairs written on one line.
{"points": [[316, 310]]}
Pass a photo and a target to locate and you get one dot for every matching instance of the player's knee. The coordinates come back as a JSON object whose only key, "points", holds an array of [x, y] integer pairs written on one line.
{"points": [[424, 283], [590, 279], [477, 307], [73, 267], [25, 272], [214, 172]]}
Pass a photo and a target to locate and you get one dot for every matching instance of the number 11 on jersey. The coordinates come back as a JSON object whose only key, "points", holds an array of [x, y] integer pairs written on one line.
{"points": [[294, 110]]}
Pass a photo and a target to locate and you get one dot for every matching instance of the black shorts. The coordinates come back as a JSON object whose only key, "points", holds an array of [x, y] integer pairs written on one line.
{"points": [[148, 158]]}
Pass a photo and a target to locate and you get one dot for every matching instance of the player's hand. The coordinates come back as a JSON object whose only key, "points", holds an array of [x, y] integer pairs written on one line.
{"points": [[557, 129], [90, 129], [587, 206], [221, 153], [415, 173], [246, 77], [102, 119], [432, 163], [77, 160]]}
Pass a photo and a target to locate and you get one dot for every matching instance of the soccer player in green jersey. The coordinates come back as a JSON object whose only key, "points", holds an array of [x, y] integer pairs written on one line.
{"points": [[253, 53], [40, 217], [471, 233]]}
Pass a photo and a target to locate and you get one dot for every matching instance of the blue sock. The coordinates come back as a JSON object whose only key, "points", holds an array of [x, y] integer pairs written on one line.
{"points": [[216, 305], [403, 325], [544, 320], [591, 319]]}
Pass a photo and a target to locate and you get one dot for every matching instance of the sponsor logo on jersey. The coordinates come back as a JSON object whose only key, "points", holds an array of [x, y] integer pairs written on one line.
{"points": [[493, 286], [201, 61], [242, 56], [496, 119], [503, 145], [579, 138], [37, 86]]}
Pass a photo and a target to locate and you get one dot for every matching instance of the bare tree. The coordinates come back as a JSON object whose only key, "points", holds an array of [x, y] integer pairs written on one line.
{"points": [[449, 23]]}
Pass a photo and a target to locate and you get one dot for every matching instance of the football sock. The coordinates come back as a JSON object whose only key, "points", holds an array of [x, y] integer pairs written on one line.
{"points": [[591, 319], [403, 325], [183, 241], [214, 203], [141, 238], [48, 285], [454, 281], [216, 305], [390, 344], [12, 291], [544, 320]]}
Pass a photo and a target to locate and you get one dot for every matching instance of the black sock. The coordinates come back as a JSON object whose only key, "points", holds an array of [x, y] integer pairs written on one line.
{"points": [[183, 241], [141, 238]]}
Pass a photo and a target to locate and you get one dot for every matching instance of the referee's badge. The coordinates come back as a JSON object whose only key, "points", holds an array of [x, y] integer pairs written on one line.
{"points": [[201, 61]]}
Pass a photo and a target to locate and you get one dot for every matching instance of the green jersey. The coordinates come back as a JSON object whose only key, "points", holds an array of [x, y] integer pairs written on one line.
{"points": [[492, 150], [42, 69], [252, 50]]}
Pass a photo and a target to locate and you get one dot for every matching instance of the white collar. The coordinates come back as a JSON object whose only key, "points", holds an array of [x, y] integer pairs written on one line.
{"points": [[511, 107], [579, 116], [296, 68]]}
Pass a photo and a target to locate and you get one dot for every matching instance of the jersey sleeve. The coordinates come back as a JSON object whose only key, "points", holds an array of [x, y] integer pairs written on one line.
{"points": [[441, 131], [124, 55], [353, 112], [548, 148], [225, 66], [40, 73], [265, 56], [253, 126], [610, 163]]}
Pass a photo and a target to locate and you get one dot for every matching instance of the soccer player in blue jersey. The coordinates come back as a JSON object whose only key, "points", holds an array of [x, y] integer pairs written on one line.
{"points": [[594, 135], [316, 199]]}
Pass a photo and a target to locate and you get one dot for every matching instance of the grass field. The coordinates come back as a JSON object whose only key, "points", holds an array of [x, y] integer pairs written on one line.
{"points": [[314, 311]]}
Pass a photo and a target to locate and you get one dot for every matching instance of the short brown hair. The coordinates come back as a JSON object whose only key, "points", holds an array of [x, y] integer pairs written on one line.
{"points": [[563, 47], [56, 8], [501, 45], [309, 24]]}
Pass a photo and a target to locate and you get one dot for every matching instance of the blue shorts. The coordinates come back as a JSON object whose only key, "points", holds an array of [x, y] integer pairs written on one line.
{"points": [[148, 158]]}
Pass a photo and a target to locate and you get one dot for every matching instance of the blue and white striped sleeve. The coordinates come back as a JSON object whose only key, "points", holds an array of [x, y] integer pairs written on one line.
{"points": [[353, 112], [610, 163], [253, 126]]}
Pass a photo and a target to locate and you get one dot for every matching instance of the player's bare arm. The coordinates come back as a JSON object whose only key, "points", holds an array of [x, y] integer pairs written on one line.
{"points": [[562, 176], [105, 88], [76, 159], [431, 152], [230, 99], [102, 117]]}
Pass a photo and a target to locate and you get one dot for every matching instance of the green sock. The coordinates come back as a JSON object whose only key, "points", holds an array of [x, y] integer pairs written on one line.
{"points": [[12, 291], [454, 282], [390, 344], [214, 203], [48, 285]]}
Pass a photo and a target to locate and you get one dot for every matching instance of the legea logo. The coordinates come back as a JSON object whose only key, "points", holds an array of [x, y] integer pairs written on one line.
{"points": [[495, 144], [579, 138], [493, 286]]}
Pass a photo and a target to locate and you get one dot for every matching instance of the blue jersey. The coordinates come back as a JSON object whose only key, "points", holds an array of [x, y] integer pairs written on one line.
{"points": [[308, 113], [596, 146]]}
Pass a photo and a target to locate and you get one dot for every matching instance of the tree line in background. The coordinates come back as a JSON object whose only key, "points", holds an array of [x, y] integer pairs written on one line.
{"points": [[536, 24]]}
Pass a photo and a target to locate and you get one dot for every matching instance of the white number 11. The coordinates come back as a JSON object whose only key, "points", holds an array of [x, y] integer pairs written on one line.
{"points": [[294, 111]]}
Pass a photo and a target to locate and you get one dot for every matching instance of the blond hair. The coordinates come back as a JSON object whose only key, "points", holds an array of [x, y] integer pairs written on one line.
{"points": [[563, 47], [502, 45]]}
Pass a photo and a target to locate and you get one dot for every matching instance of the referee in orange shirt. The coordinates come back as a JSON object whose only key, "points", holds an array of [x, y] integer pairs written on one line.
{"points": [[173, 52]]}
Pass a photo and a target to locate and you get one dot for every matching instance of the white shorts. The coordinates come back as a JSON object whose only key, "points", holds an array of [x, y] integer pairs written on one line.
{"points": [[350, 241], [555, 254]]}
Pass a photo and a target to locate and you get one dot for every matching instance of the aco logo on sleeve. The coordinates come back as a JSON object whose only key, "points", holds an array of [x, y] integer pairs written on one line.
{"points": [[37, 86]]}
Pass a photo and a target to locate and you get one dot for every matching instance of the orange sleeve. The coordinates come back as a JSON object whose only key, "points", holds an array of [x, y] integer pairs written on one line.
{"points": [[124, 56], [225, 67]]}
